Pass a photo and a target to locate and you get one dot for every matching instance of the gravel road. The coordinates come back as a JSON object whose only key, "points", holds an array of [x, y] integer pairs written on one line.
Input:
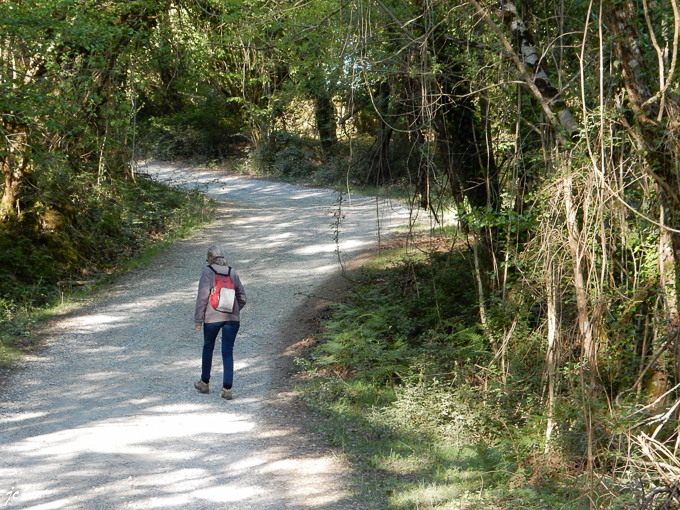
{"points": [[106, 416]]}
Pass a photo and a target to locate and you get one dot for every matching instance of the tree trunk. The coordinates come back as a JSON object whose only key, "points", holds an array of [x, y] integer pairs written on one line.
{"points": [[10, 190], [416, 125], [667, 265], [527, 59], [380, 165], [588, 345], [324, 111], [14, 164], [656, 139], [551, 358]]}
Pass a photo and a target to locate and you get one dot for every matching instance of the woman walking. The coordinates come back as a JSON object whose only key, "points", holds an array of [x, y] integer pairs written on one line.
{"points": [[213, 321]]}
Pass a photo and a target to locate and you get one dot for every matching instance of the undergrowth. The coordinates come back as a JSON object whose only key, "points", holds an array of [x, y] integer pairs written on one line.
{"points": [[79, 234], [407, 386]]}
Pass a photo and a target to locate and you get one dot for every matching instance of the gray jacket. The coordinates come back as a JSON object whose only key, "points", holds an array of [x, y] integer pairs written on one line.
{"points": [[204, 311]]}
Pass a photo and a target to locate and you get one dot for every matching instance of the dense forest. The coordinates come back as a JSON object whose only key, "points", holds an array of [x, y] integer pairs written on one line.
{"points": [[549, 128]]}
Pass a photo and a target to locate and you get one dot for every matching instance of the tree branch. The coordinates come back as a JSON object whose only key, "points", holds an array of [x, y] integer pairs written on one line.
{"points": [[355, 109], [554, 107]]}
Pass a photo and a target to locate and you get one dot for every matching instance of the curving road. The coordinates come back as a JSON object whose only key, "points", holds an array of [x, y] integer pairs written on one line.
{"points": [[106, 416]]}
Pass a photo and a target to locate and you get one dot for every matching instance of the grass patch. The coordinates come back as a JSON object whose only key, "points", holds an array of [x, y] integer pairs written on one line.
{"points": [[405, 382]]}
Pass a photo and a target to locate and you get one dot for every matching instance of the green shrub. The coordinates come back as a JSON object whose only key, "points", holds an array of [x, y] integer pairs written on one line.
{"points": [[82, 227], [209, 132]]}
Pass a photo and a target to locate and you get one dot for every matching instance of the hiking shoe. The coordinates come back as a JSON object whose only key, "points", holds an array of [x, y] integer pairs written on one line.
{"points": [[201, 386], [226, 393]]}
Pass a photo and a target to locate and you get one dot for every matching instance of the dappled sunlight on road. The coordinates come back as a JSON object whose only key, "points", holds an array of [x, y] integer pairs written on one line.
{"points": [[22, 417], [325, 248], [108, 418], [132, 434]]}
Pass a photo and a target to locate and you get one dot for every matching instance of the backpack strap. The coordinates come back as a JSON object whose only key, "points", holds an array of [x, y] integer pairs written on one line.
{"points": [[221, 274]]}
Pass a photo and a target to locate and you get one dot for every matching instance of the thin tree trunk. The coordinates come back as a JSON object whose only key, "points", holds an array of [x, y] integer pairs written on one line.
{"points": [[577, 253], [380, 166], [588, 343], [658, 141], [324, 111], [666, 267], [550, 362], [419, 145], [14, 164], [480, 294]]}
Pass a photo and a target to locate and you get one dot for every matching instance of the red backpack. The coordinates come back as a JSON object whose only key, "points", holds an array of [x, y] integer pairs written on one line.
{"points": [[223, 296]]}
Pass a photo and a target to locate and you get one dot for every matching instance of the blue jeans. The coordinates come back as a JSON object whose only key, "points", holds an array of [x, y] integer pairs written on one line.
{"points": [[210, 331]]}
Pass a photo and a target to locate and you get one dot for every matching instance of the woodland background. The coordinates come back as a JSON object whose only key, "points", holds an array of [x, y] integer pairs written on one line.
{"points": [[546, 329]]}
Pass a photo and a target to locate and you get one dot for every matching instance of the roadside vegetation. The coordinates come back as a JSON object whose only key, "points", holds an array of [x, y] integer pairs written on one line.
{"points": [[548, 128], [78, 237], [407, 385]]}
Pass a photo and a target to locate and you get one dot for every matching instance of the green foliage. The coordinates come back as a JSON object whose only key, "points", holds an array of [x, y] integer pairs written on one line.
{"points": [[419, 321], [410, 390], [15, 329], [63, 81], [201, 135], [286, 156], [82, 230]]}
